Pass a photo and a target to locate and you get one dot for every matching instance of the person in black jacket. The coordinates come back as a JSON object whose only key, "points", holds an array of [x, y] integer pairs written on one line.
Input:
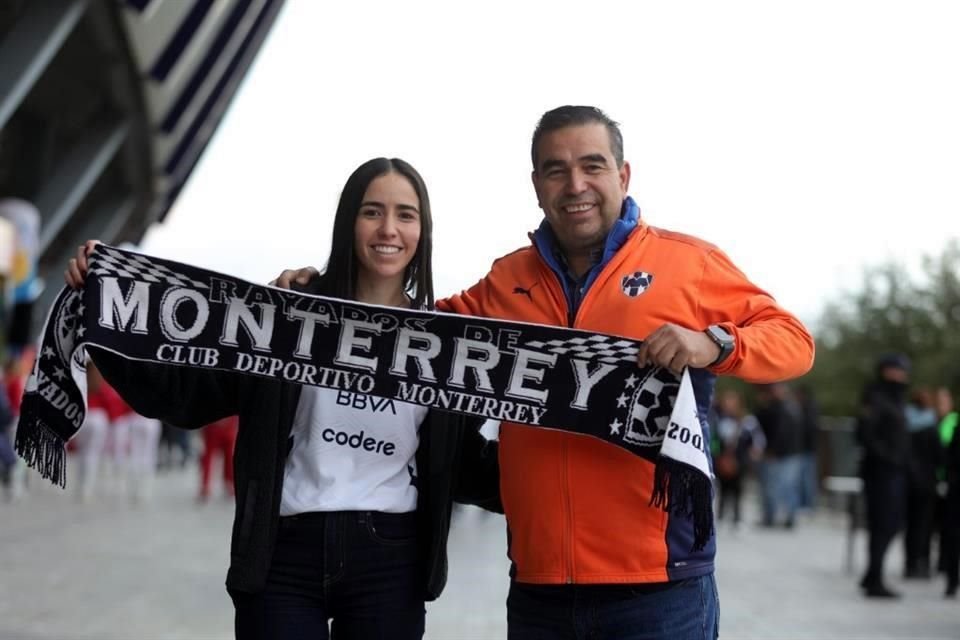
{"points": [[882, 432], [950, 525], [343, 500]]}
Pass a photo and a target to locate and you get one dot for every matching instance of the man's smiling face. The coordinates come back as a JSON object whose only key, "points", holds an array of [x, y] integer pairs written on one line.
{"points": [[579, 186]]}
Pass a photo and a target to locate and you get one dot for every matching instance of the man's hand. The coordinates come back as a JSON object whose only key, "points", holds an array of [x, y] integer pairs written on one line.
{"points": [[76, 273], [299, 276], [674, 347]]}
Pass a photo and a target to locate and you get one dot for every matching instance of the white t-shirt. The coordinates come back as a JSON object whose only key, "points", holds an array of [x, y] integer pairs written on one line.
{"points": [[352, 452]]}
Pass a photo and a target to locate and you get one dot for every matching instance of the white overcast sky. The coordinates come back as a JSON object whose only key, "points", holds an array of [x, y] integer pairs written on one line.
{"points": [[805, 139]]}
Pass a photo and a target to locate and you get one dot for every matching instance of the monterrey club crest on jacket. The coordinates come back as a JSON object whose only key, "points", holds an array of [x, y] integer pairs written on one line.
{"points": [[636, 283]]}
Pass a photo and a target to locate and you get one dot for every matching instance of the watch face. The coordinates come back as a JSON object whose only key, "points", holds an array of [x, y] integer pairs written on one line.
{"points": [[723, 339], [720, 333]]}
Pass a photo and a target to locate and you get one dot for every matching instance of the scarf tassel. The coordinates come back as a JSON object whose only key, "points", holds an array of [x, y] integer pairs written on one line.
{"points": [[682, 490], [42, 449]]}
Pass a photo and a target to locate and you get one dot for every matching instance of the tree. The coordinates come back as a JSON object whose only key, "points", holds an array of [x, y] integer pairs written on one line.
{"points": [[890, 313]]}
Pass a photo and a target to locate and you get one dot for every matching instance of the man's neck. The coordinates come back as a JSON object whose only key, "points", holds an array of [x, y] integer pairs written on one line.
{"points": [[578, 263]]}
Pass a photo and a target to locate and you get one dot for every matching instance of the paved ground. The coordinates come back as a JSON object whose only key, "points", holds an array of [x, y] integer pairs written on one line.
{"points": [[110, 569]]}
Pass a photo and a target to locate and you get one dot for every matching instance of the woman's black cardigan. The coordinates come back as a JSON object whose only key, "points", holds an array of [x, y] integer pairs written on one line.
{"points": [[454, 462]]}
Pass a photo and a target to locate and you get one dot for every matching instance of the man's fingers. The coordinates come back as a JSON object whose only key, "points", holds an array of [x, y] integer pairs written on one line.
{"points": [[642, 354], [289, 277], [283, 280], [668, 350], [678, 362], [650, 345], [662, 352], [305, 274], [670, 346]]}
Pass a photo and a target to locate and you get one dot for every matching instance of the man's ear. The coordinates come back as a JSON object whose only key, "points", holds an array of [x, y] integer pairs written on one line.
{"points": [[625, 177], [536, 190]]}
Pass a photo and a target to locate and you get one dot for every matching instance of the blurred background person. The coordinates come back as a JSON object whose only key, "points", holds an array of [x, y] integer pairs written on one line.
{"points": [[8, 457], [737, 443], [781, 421], [117, 446], [219, 439], [921, 483], [809, 487], [143, 441], [128, 439], [14, 379], [24, 284], [175, 447], [103, 407], [882, 432], [950, 476]]}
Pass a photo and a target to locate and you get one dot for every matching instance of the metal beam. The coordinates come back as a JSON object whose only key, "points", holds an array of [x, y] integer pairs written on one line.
{"points": [[104, 221], [149, 31], [83, 164], [166, 141], [160, 95], [208, 119], [30, 45]]}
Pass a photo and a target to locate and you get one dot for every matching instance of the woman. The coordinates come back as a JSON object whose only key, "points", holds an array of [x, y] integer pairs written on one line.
{"points": [[326, 531]]}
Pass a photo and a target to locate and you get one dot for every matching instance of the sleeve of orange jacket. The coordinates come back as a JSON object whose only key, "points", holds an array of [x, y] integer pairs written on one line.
{"points": [[771, 343], [465, 302], [471, 302]]}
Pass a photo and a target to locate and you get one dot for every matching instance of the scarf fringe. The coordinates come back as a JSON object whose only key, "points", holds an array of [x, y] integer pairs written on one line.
{"points": [[682, 490], [41, 448]]}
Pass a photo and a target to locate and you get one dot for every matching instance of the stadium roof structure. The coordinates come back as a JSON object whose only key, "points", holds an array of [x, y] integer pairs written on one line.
{"points": [[107, 105]]}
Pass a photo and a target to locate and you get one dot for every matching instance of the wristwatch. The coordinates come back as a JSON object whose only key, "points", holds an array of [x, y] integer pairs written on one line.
{"points": [[724, 340]]}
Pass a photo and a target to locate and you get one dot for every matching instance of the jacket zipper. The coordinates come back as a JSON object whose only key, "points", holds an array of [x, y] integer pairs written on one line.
{"points": [[564, 455], [571, 323]]}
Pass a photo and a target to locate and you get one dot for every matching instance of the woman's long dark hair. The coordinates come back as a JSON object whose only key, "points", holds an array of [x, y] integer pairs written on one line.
{"points": [[339, 277]]}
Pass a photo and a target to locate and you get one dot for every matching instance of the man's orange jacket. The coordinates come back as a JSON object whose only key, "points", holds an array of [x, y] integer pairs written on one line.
{"points": [[577, 508]]}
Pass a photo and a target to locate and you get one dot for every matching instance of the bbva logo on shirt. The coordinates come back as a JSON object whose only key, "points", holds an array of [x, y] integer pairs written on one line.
{"points": [[364, 402], [636, 283]]}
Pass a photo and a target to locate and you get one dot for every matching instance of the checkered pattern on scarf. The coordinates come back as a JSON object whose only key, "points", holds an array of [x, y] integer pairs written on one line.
{"points": [[106, 262], [602, 348]]}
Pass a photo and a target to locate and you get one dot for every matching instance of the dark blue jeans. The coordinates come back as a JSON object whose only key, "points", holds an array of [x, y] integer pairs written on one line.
{"points": [[358, 569], [682, 610]]}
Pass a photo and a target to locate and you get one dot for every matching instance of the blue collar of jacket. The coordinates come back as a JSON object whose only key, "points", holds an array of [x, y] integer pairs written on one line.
{"points": [[546, 243]]}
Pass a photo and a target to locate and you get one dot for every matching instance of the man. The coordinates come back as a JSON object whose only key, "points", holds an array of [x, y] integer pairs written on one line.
{"points": [[591, 557], [781, 419], [882, 432]]}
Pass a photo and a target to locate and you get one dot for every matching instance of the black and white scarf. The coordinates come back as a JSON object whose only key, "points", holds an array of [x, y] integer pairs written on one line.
{"points": [[160, 311]]}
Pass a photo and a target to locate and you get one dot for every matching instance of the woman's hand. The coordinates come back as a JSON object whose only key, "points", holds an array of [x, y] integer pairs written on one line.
{"points": [[76, 273]]}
